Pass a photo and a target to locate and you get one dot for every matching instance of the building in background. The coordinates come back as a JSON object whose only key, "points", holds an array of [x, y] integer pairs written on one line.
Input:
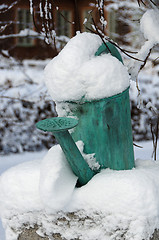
{"points": [[23, 39]]}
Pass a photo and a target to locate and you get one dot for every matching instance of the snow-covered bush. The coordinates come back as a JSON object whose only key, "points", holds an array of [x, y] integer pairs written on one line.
{"points": [[22, 104], [142, 114], [18, 118]]}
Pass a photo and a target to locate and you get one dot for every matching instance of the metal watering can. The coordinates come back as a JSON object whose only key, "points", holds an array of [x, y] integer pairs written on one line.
{"points": [[103, 125]]}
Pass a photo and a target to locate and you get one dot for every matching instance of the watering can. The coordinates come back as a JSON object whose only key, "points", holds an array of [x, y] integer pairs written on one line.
{"points": [[103, 125]]}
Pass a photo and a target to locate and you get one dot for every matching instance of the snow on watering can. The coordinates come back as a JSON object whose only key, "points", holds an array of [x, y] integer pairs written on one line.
{"points": [[103, 125]]}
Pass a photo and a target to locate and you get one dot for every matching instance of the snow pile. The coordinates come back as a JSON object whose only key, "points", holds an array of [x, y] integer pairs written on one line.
{"points": [[113, 204], [76, 73], [57, 180], [44, 178], [20, 188]]}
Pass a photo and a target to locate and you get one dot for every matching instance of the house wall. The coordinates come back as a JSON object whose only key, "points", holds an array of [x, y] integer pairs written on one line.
{"points": [[78, 11], [40, 49]]}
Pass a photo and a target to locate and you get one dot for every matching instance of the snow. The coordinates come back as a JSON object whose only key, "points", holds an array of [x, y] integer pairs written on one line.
{"points": [[125, 200], [20, 185], [53, 174], [8, 161], [23, 101], [23, 33], [149, 25], [57, 177], [89, 158], [31, 7], [3, 6], [11, 160], [76, 73]]}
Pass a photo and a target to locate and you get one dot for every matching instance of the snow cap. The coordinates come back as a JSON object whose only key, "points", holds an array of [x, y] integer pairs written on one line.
{"points": [[77, 73]]}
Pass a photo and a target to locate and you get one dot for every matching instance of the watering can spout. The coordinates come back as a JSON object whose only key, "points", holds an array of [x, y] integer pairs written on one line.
{"points": [[59, 126]]}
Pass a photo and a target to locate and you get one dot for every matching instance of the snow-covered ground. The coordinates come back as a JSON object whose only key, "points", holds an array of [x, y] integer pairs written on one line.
{"points": [[11, 160]]}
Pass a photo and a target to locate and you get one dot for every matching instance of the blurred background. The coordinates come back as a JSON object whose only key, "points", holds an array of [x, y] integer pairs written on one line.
{"points": [[33, 32]]}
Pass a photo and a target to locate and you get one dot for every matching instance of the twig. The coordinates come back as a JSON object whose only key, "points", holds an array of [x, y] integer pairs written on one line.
{"points": [[19, 99], [144, 62], [24, 100], [9, 7], [145, 3], [141, 2], [137, 145], [112, 42], [65, 18], [154, 132]]}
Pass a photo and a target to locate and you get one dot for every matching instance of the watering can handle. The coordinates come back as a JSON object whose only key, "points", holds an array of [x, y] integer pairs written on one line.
{"points": [[113, 50]]}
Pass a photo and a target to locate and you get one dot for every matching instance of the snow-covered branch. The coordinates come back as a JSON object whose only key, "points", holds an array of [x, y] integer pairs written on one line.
{"points": [[23, 33], [4, 7], [149, 26]]}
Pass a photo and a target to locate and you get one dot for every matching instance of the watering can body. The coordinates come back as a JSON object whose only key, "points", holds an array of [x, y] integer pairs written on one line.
{"points": [[105, 128]]}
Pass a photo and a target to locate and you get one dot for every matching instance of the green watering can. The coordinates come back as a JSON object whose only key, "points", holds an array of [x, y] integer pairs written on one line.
{"points": [[103, 125]]}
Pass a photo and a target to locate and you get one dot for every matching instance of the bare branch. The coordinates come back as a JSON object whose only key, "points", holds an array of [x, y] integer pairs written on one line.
{"points": [[102, 36], [144, 62], [19, 99], [137, 145], [145, 3]]}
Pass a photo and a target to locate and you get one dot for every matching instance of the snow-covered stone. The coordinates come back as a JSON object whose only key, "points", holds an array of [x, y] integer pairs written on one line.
{"points": [[112, 205]]}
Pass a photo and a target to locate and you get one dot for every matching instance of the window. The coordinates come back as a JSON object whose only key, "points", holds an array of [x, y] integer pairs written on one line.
{"points": [[63, 24], [112, 24], [118, 28], [24, 22]]}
